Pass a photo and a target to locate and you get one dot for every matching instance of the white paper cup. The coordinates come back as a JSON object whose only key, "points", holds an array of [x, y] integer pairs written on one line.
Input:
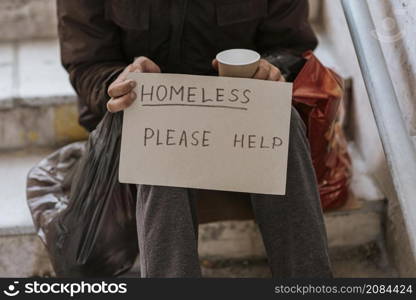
{"points": [[241, 63]]}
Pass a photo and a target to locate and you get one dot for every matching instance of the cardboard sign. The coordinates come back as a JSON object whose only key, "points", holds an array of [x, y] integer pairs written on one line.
{"points": [[207, 132]]}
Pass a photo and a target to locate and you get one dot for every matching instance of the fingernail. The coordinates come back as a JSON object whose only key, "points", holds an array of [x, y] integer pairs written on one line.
{"points": [[133, 84]]}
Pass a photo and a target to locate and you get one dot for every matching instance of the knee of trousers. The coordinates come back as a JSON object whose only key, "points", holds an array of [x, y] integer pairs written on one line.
{"points": [[301, 178], [298, 140], [155, 193]]}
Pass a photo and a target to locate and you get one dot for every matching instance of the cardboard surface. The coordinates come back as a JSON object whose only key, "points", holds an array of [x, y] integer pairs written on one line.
{"points": [[207, 132]]}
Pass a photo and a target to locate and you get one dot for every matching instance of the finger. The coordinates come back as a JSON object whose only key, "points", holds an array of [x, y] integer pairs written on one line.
{"points": [[150, 67], [274, 74], [118, 89], [215, 64], [121, 103], [282, 78], [262, 72], [145, 65]]}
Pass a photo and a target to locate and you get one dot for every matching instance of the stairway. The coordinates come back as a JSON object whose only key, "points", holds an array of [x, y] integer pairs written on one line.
{"points": [[38, 114]]}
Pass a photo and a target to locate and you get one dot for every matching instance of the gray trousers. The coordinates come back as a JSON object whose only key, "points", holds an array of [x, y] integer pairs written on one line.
{"points": [[292, 226]]}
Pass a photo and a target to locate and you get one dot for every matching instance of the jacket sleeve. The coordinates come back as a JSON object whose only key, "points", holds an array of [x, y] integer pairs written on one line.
{"points": [[285, 34], [91, 53]]}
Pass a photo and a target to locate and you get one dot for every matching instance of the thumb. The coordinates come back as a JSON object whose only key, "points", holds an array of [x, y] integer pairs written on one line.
{"points": [[215, 64]]}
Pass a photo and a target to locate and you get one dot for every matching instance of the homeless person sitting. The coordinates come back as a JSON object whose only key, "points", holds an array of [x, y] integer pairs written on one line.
{"points": [[102, 41]]}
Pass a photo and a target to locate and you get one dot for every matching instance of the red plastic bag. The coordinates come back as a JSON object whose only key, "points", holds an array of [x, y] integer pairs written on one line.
{"points": [[317, 95]]}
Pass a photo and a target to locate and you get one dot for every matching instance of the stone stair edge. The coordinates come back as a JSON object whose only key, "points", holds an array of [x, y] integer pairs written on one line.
{"points": [[17, 231], [18, 102], [378, 206], [372, 206]]}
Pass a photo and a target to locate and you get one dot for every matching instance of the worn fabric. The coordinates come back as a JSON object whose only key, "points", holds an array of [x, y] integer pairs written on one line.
{"points": [[99, 38], [292, 226]]}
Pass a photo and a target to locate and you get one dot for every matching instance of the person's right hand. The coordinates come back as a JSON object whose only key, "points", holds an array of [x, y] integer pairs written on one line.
{"points": [[121, 90]]}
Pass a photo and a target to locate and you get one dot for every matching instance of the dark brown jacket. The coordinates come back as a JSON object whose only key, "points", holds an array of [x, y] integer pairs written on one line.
{"points": [[99, 38]]}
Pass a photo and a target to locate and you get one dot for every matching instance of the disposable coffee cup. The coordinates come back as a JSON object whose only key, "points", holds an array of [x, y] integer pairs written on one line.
{"points": [[242, 63]]}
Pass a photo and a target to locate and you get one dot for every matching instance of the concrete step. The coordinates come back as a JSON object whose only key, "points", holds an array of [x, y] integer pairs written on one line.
{"points": [[364, 261], [37, 103], [241, 255], [15, 217], [27, 19], [359, 223], [22, 253]]}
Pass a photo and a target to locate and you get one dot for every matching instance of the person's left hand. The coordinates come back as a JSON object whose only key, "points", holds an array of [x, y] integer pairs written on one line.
{"points": [[266, 71]]}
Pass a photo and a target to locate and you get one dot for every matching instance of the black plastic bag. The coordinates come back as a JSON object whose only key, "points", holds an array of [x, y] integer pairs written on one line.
{"points": [[91, 230]]}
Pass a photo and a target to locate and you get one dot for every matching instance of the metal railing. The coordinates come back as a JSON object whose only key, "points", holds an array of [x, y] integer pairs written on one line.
{"points": [[398, 146]]}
